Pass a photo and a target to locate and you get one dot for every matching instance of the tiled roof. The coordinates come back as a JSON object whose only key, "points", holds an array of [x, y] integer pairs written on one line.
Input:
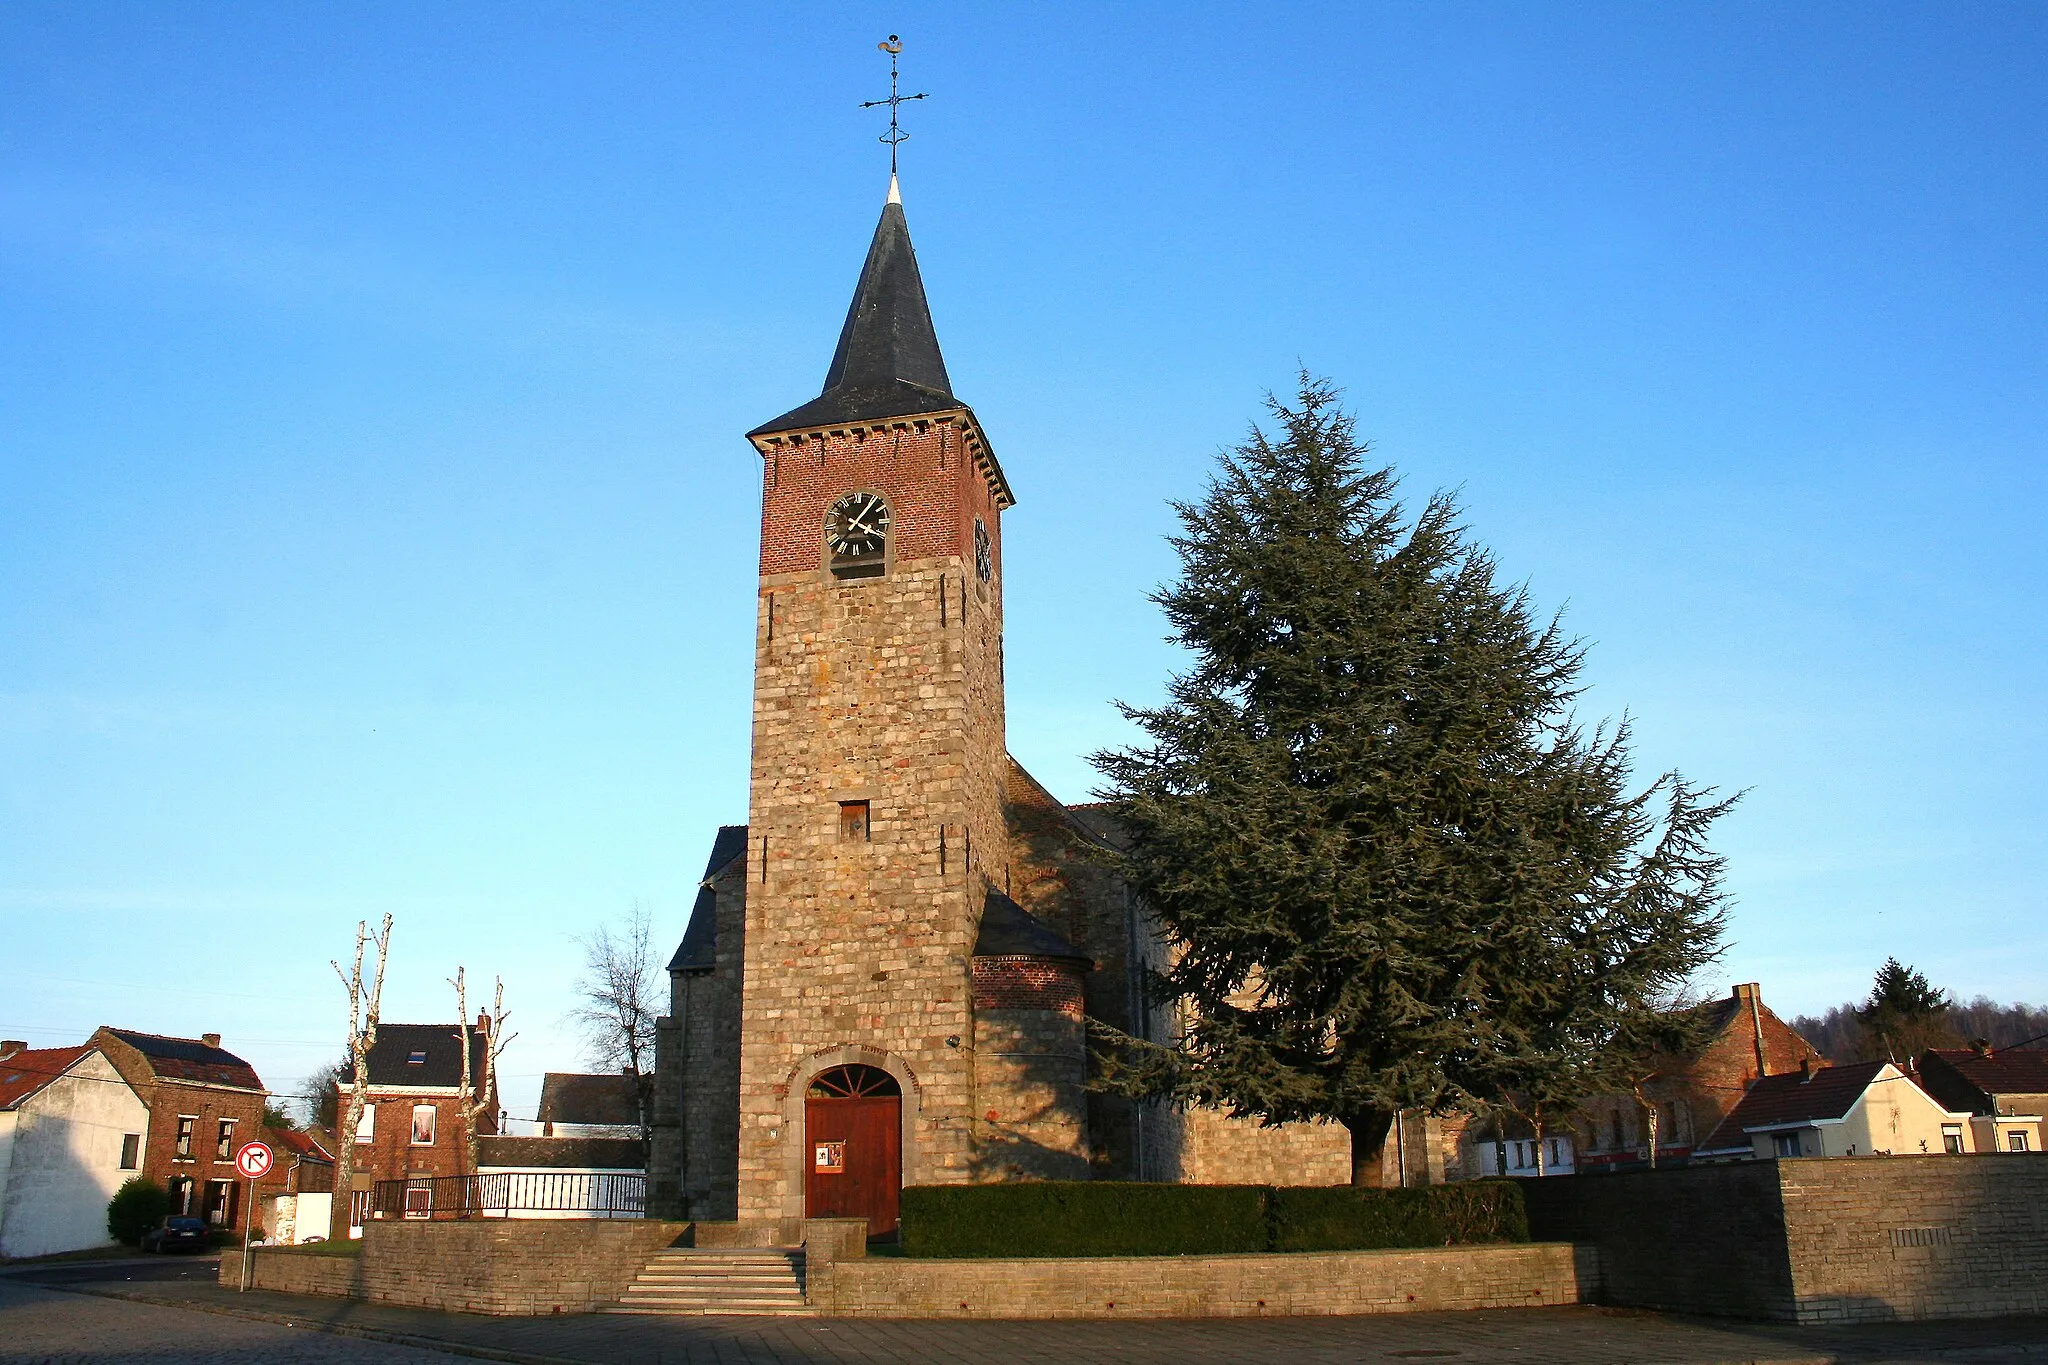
{"points": [[440, 1064], [293, 1142], [1792, 1098], [190, 1059], [574, 1097], [28, 1071], [557, 1153], [1963, 1078]]}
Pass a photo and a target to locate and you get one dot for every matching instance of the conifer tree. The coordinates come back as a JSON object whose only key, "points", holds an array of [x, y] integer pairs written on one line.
{"points": [[1393, 870], [1905, 1015]]}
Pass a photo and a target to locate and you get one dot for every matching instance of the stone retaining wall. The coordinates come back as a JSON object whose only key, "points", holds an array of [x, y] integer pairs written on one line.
{"points": [[1816, 1239], [512, 1267], [1208, 1286], [295, 1272]]}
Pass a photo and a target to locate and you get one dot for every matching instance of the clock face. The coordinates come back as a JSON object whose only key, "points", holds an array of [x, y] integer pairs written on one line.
{"points": [[857, 528], [984, 553]]}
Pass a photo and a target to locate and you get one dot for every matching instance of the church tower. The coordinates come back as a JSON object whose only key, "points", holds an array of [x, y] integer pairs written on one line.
{"points": [[876, 831]]}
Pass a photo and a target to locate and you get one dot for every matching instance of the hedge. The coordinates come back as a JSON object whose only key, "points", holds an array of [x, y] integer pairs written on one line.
{"points": [[1110, 1218], [1083, 1218], [1341, 1218]]}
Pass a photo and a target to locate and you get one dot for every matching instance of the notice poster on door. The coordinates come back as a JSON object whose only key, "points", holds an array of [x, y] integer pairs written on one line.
{"points": [[829, 1156]]}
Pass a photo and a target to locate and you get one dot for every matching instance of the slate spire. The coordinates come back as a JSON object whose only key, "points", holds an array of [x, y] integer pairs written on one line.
{"points": [[888, 362]]}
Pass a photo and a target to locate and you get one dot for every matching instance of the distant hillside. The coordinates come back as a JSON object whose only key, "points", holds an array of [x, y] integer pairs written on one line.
{"points": [[1839, 1034]]}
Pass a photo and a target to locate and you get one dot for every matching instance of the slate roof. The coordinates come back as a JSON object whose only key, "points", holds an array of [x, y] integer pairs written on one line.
{"points": [[1792, 1098], [888, 362], [1009, 930], [1964, 1079], [563, 1153], [190, 1059], [576, 1097], [698, 950], [27, 1071], [441, 1067]]}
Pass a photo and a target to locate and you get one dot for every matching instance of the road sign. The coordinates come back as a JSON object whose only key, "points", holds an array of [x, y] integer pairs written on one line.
{"points": [[253, 1160]]}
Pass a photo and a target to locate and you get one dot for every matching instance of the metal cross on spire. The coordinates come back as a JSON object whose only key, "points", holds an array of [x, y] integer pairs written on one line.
{"points": [[895, 137]]}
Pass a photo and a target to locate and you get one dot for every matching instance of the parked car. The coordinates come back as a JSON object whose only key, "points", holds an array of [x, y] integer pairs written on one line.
{"points": [[177, 1234]]}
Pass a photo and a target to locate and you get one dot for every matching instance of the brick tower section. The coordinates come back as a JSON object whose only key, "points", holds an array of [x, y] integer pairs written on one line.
{"points": [[888, 691]]}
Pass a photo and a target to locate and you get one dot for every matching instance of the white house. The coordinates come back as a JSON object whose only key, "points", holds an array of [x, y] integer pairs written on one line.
{"points": [[1868, 1109], [71, 1131]]}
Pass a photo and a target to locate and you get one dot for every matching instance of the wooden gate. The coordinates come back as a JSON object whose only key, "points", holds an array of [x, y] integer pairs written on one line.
{"points": [[853, 1146]]}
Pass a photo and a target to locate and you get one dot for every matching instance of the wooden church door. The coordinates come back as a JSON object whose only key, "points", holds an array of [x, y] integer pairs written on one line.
{"points": [[853, 1146]]}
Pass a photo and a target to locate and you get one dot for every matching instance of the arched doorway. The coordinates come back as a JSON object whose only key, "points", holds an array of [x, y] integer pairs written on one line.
{"points": [[853, 1146]]}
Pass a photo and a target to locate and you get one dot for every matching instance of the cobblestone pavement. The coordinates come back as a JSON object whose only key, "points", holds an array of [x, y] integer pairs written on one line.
{"points": [[172, 1315], [48, 1328]]}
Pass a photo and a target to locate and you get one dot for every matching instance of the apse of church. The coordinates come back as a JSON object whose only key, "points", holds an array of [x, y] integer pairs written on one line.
{"points": [[887, 971]]}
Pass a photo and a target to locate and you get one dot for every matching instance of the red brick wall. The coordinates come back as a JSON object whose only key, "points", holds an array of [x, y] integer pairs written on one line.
{"points": [[391, 1154], [924, 469], [1008, 983], [160, 1162]]}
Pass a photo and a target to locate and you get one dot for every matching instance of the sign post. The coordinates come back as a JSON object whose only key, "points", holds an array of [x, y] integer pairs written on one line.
{"points": [[253, 1161]]}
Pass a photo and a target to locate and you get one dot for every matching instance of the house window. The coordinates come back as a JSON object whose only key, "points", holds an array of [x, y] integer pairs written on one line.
{"points": [[1785, 1144], [186, 1122], [220, 1203], [1556, 1153], [423, 1125], [1952, 1138], [853, 821], [131, 1151], [224, 1143], [2016, 1141], [418, 1058], [366, 1126], [181, 1195]]}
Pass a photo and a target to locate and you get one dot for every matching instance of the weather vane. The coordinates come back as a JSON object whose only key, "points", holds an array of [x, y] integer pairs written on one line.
{"points": [[895, 137]]}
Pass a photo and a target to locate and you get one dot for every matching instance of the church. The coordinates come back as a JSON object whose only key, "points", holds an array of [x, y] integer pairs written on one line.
{"points": [[888, 970]]}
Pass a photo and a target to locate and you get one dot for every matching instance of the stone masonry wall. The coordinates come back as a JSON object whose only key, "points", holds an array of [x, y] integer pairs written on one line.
{"points": [[1209, 1286], [1031, 1068], [514, 1267], [887, 691], [1834, 1239], [295, 1272]]}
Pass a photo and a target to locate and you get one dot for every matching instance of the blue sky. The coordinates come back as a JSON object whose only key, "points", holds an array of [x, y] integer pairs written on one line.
{"points": [[376, 532]]}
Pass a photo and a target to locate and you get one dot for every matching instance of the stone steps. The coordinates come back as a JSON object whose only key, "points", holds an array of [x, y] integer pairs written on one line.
{"points": [[708, 1280]]}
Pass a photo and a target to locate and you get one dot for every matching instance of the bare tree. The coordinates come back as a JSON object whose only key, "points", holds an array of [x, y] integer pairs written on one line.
{"points": [[620, 1003], [363, 1013], [477, 1099]]}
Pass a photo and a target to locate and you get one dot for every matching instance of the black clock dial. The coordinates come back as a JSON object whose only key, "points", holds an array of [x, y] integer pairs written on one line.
{"points": [[984, 553], [857, 527]]}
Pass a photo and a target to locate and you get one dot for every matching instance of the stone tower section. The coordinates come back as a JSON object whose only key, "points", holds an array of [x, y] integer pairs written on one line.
{"points": [[876, 822]]}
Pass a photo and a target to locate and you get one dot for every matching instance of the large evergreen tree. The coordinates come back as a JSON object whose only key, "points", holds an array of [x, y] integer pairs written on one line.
{"points": [[1394, 871]]}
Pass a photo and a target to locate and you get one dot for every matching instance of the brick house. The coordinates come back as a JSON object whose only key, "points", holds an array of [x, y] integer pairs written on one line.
{"points": [[1865, 1109], [1743, 1040], [204, 1102], [2004, 1091], [413, 1121]]}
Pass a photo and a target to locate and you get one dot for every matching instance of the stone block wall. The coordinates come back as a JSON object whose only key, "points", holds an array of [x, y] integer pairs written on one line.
{"points": [[1031, 1071], [295, 1272], [1209, 1286], [1835, 1239], [511, 1267]]}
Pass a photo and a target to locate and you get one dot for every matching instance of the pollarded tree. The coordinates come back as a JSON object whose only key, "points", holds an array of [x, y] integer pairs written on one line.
{"points": [[1394, 872]]}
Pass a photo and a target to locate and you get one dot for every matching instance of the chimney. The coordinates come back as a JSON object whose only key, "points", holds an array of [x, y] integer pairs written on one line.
{"points": [[1980, 1046], [483, 1021], [210, 1039], [10, 1046], [1805, 1070]]}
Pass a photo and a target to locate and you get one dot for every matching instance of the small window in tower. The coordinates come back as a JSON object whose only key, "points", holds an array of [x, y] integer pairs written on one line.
{"points": [[853, 821], [857, 536]]}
